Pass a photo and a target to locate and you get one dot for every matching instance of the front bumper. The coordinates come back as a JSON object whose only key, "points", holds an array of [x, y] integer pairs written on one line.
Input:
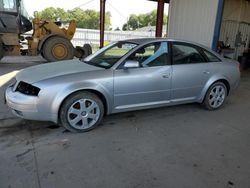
{"points": [[23, 106]]}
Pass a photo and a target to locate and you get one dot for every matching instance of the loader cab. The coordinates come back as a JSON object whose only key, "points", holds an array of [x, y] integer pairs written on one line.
{"points": [[14, 17]]}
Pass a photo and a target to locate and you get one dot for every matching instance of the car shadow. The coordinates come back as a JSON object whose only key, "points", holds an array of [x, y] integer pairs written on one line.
{"points": [[38, 128]]}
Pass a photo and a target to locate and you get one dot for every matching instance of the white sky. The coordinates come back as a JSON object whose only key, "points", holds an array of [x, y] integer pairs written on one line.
{"points": [[125, 7]]}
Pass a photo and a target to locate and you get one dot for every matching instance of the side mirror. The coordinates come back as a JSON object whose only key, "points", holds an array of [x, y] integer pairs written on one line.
{"points": [[131, 64]]}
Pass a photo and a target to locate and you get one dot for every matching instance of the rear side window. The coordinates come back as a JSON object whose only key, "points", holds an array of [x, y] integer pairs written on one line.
{"points": [[211, 57], [186, 54]]}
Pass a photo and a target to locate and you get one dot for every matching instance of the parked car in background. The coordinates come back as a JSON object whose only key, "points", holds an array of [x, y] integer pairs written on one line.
{"points": [[126, 75]]}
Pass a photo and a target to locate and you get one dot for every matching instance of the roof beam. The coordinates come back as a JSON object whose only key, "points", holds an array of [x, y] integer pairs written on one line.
{"points": [[159, 19], [102, 22]]}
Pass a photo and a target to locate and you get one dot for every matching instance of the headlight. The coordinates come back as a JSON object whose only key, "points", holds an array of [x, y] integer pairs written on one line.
{"points": [[27, 89]]}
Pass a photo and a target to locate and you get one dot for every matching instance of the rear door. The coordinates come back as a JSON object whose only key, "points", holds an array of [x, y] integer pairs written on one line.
{"points": [[190, 72]]}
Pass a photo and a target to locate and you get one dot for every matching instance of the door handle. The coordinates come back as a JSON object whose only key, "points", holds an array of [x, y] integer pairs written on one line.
{"points": [[165, 75], [206, 72]]}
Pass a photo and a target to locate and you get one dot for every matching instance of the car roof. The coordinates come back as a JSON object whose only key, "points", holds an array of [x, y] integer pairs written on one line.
{"points": [[140, 41], [143, 40], [155, 39]]}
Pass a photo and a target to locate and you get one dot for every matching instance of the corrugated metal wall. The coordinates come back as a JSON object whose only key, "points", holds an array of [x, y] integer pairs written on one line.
{"points": [[193, 20], [238, 10]]}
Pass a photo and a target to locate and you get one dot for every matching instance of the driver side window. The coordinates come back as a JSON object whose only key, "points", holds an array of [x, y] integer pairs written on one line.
{"points": [[151, 55]]}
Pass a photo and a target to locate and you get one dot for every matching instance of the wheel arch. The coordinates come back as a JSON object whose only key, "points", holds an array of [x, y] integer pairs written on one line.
{"points": [[97, 92], [210, 82], [224, 81]]}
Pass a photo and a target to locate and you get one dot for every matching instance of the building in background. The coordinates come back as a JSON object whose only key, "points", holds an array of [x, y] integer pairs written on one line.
{"points": [[223, 25]]}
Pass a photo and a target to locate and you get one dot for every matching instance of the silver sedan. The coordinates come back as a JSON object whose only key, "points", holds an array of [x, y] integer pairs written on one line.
{"points": [[125, 75]]}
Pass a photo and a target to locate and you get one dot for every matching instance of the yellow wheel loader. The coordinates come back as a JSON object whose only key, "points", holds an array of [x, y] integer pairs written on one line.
{"points": [[48, 38]]}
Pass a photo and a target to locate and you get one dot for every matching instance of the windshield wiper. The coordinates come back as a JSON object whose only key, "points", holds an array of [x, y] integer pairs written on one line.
{"points": [[94, 64]]}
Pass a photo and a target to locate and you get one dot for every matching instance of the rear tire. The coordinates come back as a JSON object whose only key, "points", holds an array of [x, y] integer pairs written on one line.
{"points": [[215, 96], [57, 49], [81, 112]]}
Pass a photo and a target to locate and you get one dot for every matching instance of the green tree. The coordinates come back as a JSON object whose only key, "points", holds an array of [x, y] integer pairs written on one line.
{"points": [[133, 21], [53, 14], [142, 20], [88, 19], [61, 14], [107, 20]]}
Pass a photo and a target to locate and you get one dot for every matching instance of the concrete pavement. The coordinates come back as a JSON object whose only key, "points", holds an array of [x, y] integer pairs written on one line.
{"points": [[176, 147]]}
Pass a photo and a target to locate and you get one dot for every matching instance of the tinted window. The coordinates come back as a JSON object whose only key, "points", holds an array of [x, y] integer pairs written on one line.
{"points": [[186, 54], [211, 57], [155, 54]]}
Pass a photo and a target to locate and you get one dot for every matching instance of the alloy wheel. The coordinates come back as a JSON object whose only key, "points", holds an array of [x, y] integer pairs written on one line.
{"points": [[217, 96], [83, 114]]}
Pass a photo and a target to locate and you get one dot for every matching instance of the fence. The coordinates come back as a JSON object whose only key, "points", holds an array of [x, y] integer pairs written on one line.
{"points": [[83, 36], [92, 37]]}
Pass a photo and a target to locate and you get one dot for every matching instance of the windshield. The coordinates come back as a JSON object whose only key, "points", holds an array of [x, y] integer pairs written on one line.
{"points": [[108, 56]]}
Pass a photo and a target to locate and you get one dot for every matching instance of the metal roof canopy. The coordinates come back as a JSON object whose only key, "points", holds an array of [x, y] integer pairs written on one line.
{"points": [[159, 19], [166, 1], [102, 22]]}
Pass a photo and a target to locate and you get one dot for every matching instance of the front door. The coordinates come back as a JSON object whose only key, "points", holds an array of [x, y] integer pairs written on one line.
{"points": [[147, 85]]}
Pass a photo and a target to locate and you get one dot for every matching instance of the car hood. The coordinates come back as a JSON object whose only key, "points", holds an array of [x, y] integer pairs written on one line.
{"points": [[41, 72]]}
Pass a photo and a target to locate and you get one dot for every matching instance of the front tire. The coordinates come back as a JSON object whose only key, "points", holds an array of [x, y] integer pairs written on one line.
{"points": [[81, 112], [215, 96], [57, 49]]}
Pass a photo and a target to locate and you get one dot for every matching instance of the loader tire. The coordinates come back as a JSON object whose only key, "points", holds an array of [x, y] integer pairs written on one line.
{"points": [[57, 49], [88, 49], [83, 52]]}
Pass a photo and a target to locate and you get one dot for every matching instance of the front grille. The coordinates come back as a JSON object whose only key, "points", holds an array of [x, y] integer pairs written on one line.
{"points": [[27, 89]]}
